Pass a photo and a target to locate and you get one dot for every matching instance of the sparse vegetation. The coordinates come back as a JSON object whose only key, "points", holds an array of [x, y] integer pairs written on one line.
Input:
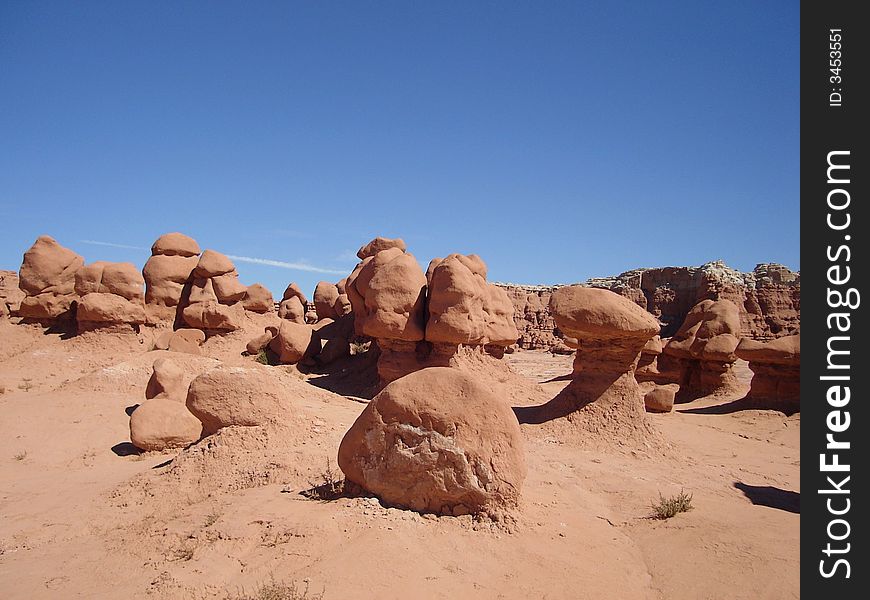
{"points": [[359, 347], [212, 518], [666, 508], [278, 590], [328, 486], [21, 455], [263, 357], [26, 384]]}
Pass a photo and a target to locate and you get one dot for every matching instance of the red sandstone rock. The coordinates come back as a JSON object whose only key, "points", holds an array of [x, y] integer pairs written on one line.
{"points": [[776, 368], [436, 441], [175, 244], [161, 424], [380, 244]]}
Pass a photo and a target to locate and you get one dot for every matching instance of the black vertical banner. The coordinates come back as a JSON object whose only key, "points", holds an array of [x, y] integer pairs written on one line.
{"points": [[835, 418]]}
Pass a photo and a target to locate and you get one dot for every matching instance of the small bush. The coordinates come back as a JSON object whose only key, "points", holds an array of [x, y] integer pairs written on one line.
{"points": [[20, 456], [278, 590], [263, 357], [327, 487], [666, 508], [358, 347]]}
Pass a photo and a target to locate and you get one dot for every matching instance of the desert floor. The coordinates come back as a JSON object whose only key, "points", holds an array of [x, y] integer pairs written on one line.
{"points": [[83, 515]]}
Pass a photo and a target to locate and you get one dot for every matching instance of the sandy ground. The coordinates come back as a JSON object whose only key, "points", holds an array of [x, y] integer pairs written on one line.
{"points": [[82, 515]]}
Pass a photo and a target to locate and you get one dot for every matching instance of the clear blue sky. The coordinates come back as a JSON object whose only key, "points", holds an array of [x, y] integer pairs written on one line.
{"points": [[558, 140]]}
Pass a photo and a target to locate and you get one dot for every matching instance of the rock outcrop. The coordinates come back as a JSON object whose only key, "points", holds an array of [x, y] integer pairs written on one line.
{"points": [[419, 320], [163, 421], [216, 294], [776, 372], [174, 256], [110, 294], [702, 350], [436, 441], [768, 299], [47, 278]]}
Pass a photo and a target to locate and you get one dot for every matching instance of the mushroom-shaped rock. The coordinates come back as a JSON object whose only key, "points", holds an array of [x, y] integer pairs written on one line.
{"points": [[258, 299], [175, 244], [325, 296], [167, 381], [776, 371], [647, 366], [292, 342], [161, 423], [436, 441], [225, 396], [212, 263], [703, 349], [611, 331], [395, 300], [378, 245]]}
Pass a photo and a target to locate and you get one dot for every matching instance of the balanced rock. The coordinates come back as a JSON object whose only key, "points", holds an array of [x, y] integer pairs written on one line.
{"points": [[212, 263], [378, 245], [436, 441], [167, 381], [258, 299], [175, 244]]}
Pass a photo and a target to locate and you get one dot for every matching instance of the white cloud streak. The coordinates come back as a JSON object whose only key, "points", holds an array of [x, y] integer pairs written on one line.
{"points": [[287, 265], [293, 266], [112, 245]]}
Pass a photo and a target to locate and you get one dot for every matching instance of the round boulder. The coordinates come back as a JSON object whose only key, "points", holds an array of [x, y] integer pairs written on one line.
{"points": [[161, 423], [436, 441]]}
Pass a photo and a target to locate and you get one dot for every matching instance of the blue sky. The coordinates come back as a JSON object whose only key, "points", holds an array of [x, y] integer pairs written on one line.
{"points": [[558, 140]]}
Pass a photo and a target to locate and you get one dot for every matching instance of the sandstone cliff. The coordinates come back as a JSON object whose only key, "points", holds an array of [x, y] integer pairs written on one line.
{"points": [[768, 299]]}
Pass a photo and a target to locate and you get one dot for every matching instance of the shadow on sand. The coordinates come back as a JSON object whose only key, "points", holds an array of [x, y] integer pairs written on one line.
{"points": [[772, 497], [745, 403]]}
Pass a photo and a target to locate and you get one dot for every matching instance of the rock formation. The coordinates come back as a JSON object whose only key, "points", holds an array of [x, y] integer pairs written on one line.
{"points": [[768, 299], [47, 277], [659, 398], [215, 295], [174, 256], [162, 421], [612, 331], [109, 294], [702, 351], [421, 320], [10, 294], [225, 396], [293, 304], [776, 372], [436, 441]]}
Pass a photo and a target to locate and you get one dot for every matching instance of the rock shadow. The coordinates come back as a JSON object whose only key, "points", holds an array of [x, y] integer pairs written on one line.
{"points": [[577, 394], [772, 497], [741, 404], [126, 449]]}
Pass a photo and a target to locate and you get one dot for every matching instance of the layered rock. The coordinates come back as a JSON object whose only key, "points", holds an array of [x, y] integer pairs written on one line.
{"points": [[168, 271], [768, 299], [702, 350], [47, 278], [776, 372], [436, 441], [110, 294], [215, 295]]}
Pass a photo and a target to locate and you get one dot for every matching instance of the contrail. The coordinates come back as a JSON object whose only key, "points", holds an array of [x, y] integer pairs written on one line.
{"points": [[246, 259], [286, 265], [112, 245]]}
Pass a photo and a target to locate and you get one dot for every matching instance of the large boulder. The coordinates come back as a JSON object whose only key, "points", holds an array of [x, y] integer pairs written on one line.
{"points": [[48, 267], [214, 317], [325, 297], [161, 424], [109, 309], [292, 342], [436, 441], [226, 396], [258, 299], [212, 263], [165, 278], [292, 309]]}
